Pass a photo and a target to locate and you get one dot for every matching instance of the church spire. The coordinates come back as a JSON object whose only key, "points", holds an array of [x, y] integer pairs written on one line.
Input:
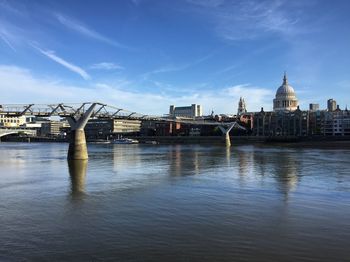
{"points": [[241, 106], [285, 80]]}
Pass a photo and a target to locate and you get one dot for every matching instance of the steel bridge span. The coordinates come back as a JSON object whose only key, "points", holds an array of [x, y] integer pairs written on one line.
{"points": [[78, 114]]}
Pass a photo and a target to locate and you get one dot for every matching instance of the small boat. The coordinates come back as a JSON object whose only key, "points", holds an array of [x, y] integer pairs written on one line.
{"points": [[99, 141], [125, 141]]}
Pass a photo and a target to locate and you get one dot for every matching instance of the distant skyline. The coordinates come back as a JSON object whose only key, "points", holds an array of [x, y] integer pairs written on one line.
{"points": [[144, 55]]}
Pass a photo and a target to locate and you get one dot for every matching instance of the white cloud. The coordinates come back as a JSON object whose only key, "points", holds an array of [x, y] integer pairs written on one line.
{"points": [[19, 85], [255, 97], [84, 30], [61, 61], [106, 66]]}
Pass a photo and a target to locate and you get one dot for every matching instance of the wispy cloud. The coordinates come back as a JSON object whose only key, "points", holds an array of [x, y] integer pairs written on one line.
{"points": [[106, 66], [176, 68], [237, 20], [10, 34], [76, 69], [4, 38], [136, 2], [207, 3], [84, 30], [5, 5]]}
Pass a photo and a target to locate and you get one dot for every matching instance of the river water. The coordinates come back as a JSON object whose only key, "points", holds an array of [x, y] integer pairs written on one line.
{"points": [[174, 203]]}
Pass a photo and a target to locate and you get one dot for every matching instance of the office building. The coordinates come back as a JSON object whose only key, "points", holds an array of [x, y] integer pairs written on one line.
{"points": [[331, 105], [314, 107], [186, 111]]}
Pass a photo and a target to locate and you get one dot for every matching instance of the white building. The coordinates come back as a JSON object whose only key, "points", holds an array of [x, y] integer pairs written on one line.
{"points": [[186, 111], [13, 121], [286, 99]]}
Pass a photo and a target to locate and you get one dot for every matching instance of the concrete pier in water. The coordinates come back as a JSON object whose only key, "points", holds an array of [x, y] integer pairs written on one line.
{"points": [[77, 145]]}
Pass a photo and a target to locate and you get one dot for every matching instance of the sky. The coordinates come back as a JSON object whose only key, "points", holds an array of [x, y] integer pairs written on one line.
{"points": [[144, 55]]}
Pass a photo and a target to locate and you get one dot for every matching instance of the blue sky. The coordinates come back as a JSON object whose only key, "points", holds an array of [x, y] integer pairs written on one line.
{"points": [[143, 55]]}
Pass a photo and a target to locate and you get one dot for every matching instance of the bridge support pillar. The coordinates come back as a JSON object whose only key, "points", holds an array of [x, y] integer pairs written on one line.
{"points": [[77, 146], [226, 132]]}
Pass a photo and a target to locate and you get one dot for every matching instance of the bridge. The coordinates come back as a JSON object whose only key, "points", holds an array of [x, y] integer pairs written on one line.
{"points": [[10, 131], [78, 114]]}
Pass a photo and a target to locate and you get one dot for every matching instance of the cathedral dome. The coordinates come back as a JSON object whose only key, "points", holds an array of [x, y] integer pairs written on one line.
{"points": [[285, 89], [285, 97]]}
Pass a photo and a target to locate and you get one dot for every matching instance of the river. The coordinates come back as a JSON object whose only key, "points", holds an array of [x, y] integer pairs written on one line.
{"points": [[174, 203]]}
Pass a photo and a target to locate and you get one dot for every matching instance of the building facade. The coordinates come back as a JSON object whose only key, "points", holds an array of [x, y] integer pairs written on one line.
{"points": [[302, 123], [281, 123], [336, 123], [105, 127], [51, 128], [13, 121]]}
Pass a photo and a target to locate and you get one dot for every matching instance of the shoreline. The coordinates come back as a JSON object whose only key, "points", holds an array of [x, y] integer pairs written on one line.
{"points": [[290, 142]]}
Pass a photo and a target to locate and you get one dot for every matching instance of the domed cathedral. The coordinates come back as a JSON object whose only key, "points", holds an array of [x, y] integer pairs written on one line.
{"points": [[286, 99]]}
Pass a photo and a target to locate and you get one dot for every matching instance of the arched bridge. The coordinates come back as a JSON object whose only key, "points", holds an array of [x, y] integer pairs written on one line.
{"points": [[10, 131], [78, 114]]}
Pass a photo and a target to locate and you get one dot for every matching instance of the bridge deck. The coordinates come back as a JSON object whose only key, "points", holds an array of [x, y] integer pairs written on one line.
{"points": [[101, 110]]}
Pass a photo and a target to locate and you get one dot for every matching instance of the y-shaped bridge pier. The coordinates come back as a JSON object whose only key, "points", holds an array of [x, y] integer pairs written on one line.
{"points": [[78, 115], [77, 146], [226, 131]]}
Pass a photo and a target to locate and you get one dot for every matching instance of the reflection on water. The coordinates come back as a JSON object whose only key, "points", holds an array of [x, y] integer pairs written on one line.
{"points": [[282, 166], [228, 156], [77, 172], [176, 162], [122, 159], [174, 203], [286, 174]]}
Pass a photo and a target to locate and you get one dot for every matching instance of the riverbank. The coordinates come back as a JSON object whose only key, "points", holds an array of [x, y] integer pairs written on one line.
{"points": [[212, 140], [33, 139], [294, 142]]}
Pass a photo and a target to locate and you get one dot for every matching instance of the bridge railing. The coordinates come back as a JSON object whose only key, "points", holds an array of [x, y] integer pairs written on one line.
{"points": [[66, 109], [101, 110]]}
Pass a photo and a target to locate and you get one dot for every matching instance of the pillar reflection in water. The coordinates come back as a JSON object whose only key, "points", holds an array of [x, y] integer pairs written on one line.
{"points": [[184, 161], [228, 156], [176, 165], [77, 172], [286, 172], [282, 166]]}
